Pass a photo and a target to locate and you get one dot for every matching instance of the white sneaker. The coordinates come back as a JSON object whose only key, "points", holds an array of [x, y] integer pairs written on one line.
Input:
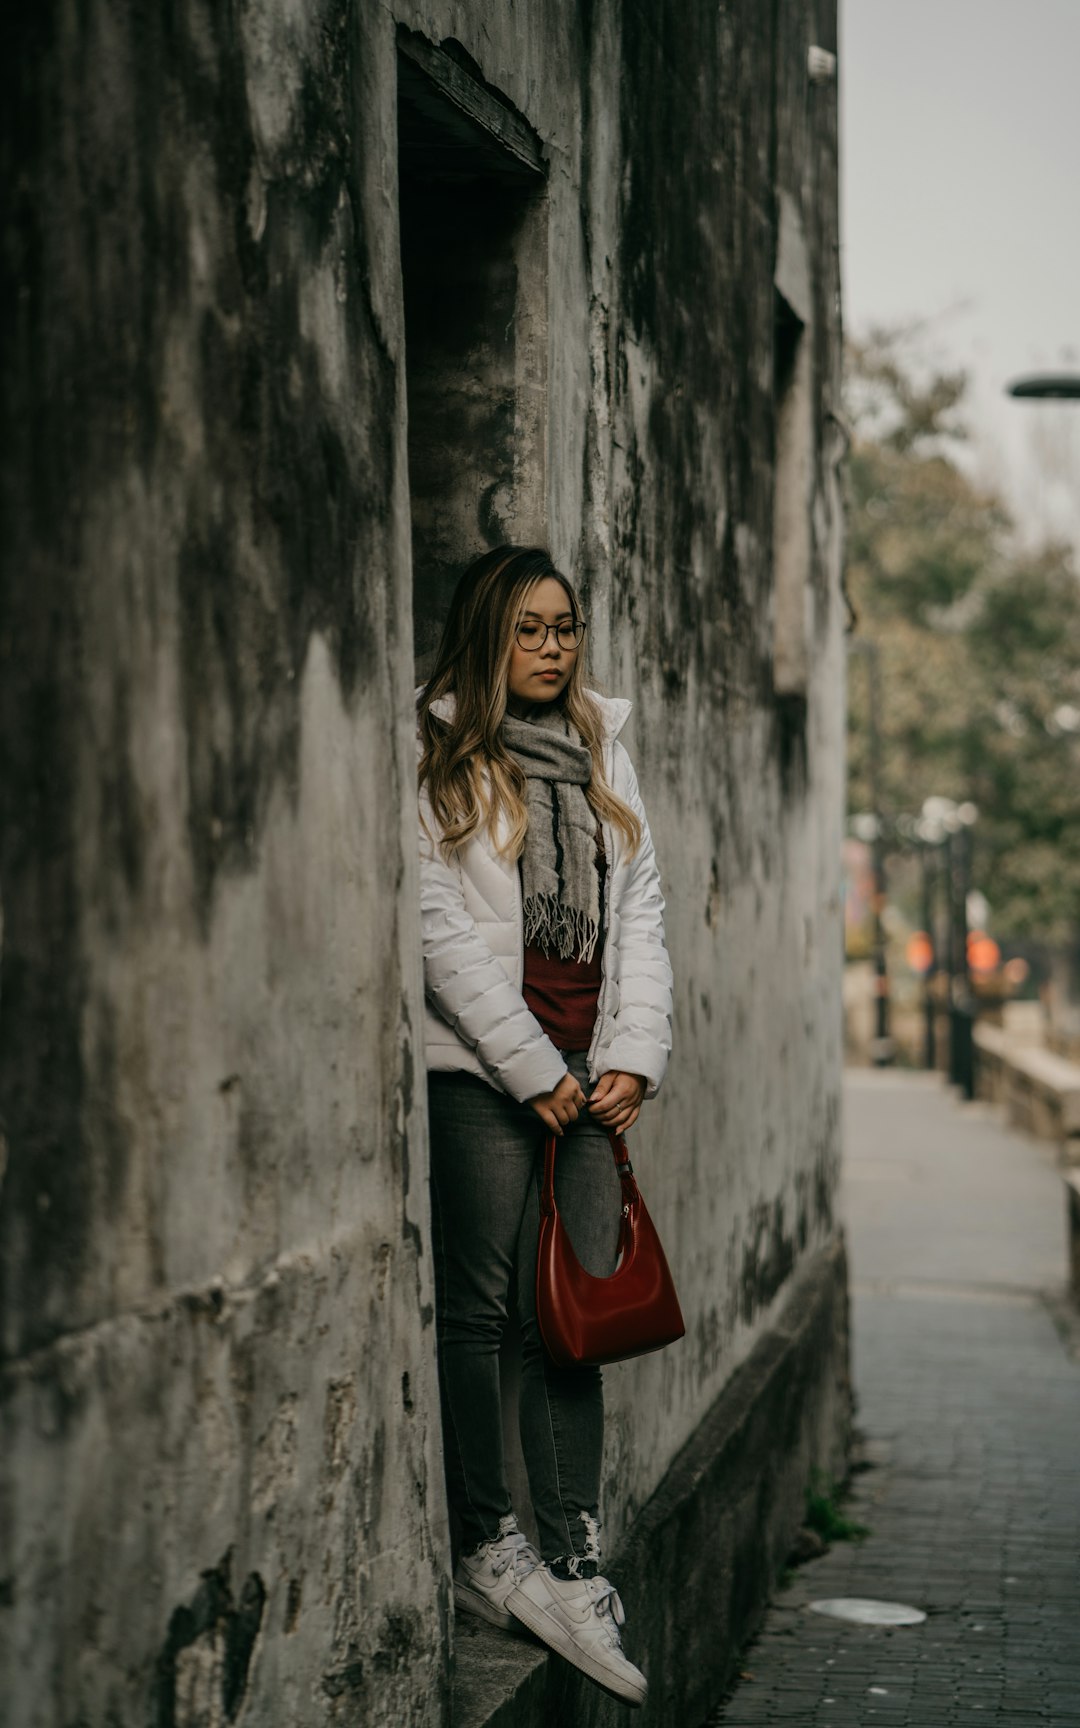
{"points": [[485, 1578], [580, 1618]]}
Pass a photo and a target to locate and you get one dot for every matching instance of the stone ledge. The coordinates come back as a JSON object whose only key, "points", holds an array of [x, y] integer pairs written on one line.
{"points": [[696, 1569], [991, 1057], [1038, 1088], [1042, 1095], [500, 1679]]}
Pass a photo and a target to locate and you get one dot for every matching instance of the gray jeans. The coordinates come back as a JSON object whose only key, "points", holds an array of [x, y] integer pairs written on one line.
{"points": [[486, 1159]]}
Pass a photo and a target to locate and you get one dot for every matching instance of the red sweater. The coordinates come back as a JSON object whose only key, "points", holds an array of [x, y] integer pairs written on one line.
{"points": [[563, 994]]}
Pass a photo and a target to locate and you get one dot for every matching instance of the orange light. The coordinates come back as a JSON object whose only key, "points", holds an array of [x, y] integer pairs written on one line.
{"points": [[984, 955], [920, 952]]}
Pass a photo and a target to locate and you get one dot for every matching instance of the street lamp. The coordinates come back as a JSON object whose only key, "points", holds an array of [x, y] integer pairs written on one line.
{"points": [[1046, 386]]}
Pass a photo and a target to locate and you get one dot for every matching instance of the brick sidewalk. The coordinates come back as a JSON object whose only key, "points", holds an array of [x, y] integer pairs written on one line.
{"points": [[969, 1405]]}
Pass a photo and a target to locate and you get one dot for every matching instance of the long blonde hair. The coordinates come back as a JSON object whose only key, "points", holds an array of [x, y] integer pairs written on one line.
{"points": [[470, 777]]}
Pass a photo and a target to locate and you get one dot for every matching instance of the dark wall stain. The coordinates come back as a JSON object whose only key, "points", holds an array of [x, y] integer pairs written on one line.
{"points": [[403, 1112], [358, 1683], [693, 514], [791, 744], [826, 1179], [695, 270], [768, 1257], [254, 582], [212, 1613], [46, 1190], [369, 1481], [344, 1682]]}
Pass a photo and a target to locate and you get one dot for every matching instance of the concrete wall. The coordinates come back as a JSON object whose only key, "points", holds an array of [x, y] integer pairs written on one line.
{"points": [[219, 1374], [219, 1406]]}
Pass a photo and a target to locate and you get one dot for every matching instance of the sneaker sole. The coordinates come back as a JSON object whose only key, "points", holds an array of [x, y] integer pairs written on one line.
{"points": [[552, 1633], [471, 1602]]}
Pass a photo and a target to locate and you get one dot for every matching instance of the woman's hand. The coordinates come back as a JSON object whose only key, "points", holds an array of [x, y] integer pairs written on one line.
{"points": [[559, 1108], [616, 1100]]}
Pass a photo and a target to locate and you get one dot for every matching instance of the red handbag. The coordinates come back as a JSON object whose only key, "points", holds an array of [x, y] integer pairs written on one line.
{"points": [[594, 1320]]}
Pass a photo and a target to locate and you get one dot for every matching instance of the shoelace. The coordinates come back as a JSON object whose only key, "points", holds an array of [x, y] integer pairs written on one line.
{"points": [[513, 1550], [609, 1608]]}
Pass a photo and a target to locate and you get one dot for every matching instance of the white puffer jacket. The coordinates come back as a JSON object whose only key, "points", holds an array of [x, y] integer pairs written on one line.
{"points": [[472, 931]]}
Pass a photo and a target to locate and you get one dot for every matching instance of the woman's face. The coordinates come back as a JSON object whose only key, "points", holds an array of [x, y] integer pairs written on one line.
{"points": [[540, 675]]}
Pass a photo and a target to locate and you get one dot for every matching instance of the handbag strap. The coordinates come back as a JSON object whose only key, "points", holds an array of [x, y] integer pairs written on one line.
{"points": [[621, 1154]]}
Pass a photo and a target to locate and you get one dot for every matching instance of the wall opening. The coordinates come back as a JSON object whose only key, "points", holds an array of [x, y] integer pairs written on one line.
{"points": [[793, 475], [474, 277]]}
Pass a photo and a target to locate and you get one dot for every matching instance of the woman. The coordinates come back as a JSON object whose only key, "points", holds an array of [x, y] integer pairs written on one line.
{"points": [[548, 1010]]}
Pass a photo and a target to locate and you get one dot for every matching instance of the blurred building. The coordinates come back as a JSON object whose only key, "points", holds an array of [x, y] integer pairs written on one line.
{"points": [[304, 306]]}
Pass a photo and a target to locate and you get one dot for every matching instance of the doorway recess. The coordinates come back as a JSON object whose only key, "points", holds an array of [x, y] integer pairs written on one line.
{"points": [[474, 279]]}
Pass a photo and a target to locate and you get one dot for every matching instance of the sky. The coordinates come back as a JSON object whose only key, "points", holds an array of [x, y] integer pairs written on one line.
{"points": [[960, 179]]}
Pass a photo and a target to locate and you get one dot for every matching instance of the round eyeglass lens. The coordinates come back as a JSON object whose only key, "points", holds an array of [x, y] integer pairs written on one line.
{"points": [[532, 635]]}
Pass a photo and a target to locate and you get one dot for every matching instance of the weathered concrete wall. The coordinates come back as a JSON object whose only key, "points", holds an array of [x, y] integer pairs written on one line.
{"points": [[219, 1374], [218, 1393]]}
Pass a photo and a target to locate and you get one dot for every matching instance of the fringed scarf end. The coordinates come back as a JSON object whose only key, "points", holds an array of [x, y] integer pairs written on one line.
{"points": [[559, 930]]}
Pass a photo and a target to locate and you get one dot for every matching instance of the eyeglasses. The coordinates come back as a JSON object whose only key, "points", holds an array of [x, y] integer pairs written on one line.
{"points": [[532, 635]]}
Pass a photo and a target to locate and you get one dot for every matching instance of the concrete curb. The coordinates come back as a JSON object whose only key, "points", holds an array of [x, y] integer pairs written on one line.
{"points": [[696, 1571]]}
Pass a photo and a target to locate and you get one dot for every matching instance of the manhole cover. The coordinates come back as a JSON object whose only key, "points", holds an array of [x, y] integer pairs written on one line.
{"points": [[867, 1612]]}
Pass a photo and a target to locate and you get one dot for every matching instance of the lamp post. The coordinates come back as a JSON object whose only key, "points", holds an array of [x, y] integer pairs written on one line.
{"points": [[929, 1038], [930, 834], [950, 824]]}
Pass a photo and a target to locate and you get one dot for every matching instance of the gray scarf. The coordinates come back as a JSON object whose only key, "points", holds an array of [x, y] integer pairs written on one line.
{"points": [[560, 880]]}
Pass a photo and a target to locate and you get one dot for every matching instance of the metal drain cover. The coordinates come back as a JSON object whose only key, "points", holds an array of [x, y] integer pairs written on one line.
{"points": [[865, 1611]]}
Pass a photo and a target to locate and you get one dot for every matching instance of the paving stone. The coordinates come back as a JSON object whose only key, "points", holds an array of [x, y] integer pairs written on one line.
{"points": [[969, 1409]]}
